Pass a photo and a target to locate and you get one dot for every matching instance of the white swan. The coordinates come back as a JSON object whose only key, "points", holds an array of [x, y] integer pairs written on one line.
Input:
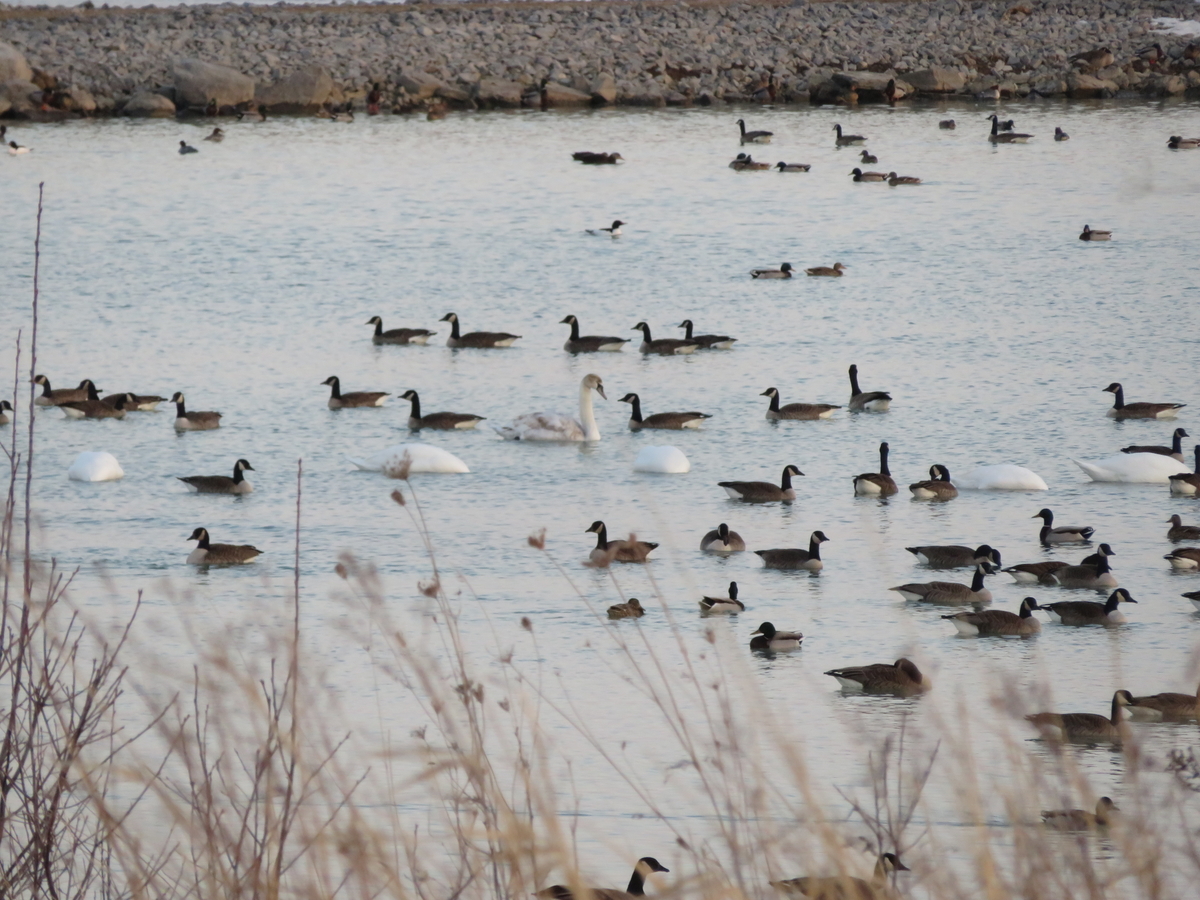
{"points": [[665, 460], [1004, 477], [1133, 468], [549, 426], [95, 466], [420, 458]]}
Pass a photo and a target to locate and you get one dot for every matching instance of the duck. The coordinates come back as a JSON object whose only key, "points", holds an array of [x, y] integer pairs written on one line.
{"points": [[550, 426], [846, 887], [1088, 234], [728, 605], [1133, 468], [1063, 534], [209, 554], [441, 421], [51, 397], [1081, 819], [784, 271], [1184, 558], [663, 346], [185, 148], [636, 887], [674, 421], [193, 421], [955, 556], [1092, 573], [1002, 477], [792, 167], [901, 677], [1005, 137], [743, 162], [949, 593], [613, 230], [95, 408], [1180, 532], [860, 175], [354, 399], [804, 411], [631, 609], [253, 114], [1175, 450], [398, 335], [938, 487], [722, 540], [477, 339], [1060, 135], [591, 158], [590, 343], [1187, 483], [834, 271], [988, 622], [1089, 612], [707, 341], [15, 149], [1122, 410], [871, 401], [1083, 726], [5, 409], [763, 491], [754, 137], [947, 124], [142, 402], [809, 559], [868, 159], [1181, 143], [216, 137], [894, 179], [1166, 707], [222, 484], [846, 140], [607, 551], [766, 637], [877, 484]]}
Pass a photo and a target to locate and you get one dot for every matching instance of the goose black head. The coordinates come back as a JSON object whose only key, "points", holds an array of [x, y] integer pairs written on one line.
{"points": [[449, 317]]}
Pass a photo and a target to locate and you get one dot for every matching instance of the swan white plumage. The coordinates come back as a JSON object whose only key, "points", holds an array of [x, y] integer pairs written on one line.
{"points": [[1133, 468], [420, 458], [664, 459], [95, 466], [550, 426], [1003, 477]]}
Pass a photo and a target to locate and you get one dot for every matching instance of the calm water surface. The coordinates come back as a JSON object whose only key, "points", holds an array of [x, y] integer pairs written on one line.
{"points": [[243, 275]]}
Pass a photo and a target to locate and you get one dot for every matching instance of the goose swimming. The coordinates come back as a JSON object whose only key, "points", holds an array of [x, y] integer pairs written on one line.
{"points": [[1089, 612], [1175, 450], [1000, 622], [193, 421], [803, 411], [707, 341], [754, 137], [938, 487], [722, 540], [353, 399], [222, 484], [1122, 410], [1187, 483], [607, 551], [674, 421], [398, 335], [549, 426], [878, 484], [901, 677], [636, 888], [1084, 726], [591, 343], [949, 593], [846, 140], [846, 887], [1005, 137], [441, 421], [789, 558], [763, 491], [210, 554], [1081, 819], [476, 339], [663, 346], [871, 401]]}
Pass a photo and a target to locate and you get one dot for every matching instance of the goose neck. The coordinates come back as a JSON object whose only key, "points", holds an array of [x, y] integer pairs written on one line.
{"points": [[1197, 472], [378, 327], [854, 391], [335, 387], [637, 882], [635, 408], [786, 482], [977, 581], [180, 411], [814, 548], [587, 418], [416, 406], [687, 326], [574, 329], [238, 475], [1177, 442], [454, 328], [602, 537], [1119, 398], [774, 398], [883, 463]]}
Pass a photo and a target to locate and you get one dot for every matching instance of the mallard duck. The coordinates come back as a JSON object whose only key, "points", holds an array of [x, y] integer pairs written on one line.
{"points": [[209, 554], [1122, 410], [784, 271], [1081, 819], [193, 421], [901, 677], [867, 158], [998, 621], [938, 487], [763, 491], [707, 341], [1083, 726], [845, 140], [834, 271], [788, 558], [728, 605], [1180, 532], [804, 411], [1175, 450], [398, 335], [477, 339], [631, 609], [674, 421], [663, 346], [353, 399], [589, 158], [793, 167], [440, 421], [607, 551], [877, 484], [860, 175], [1181, 143], [955, 556], [949, 593], [1088, 234], [636, 888], [591, 343], [1088, 612], [222, 484], [743, 162], [722, 540], [871, 401], [754, 137], [1187, 483], [846, 887], [1063, 534], [766, 637], [894, 179]]}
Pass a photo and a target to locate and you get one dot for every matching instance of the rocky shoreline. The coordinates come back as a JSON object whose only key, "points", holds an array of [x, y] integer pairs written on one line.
{"points": [[292, 59]]}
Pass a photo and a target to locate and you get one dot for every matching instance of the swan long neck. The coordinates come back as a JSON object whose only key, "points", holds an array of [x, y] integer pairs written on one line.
{"points": [[587, 417], [416, 406]]}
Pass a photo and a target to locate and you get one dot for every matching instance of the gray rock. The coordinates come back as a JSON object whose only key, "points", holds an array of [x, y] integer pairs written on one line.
{"points": [[937, 80], [1081, 86], [561, 95], [197, 82], [495, 93], [303, 91], [13, 66], [419, 85], [79, 99], [603, 88], [23, 96], [147, 105]]}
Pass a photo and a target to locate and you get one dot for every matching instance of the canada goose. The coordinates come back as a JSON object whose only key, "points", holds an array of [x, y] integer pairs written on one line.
{"points": [[208, 554], [1122, 410], [1175, 450], [217, 136], [441, 421], [95, 408], [636, 888], [589, 158], [784, 271], [729, 605], [938, 487], [15, 149], [1092, 573], [901, 677], [1089, 235], [955, 556], [143, 402], [894, 179], [1032, 573], [868, 159], [222, 484], [1060, 135], [793, 167], [707, 341], [1063, 534], [743, 162], [754, 137], [398, 335], [1184, 558], [663, 346], [1088, 612], [590, 343], [185, 148], [551, 426], [834, 271], [354, 399], [766, 637], [1180, 532], [1166, 707], [877, 484], [1181, 143], [5, 409], [1194, 596], [1081, 819], [1083, 726], [860, 175], [998, 621], [1187, 483], [763, 491], [947, 124], [606, 551], [613, 230], [949, 593], [1005, 137], [675, 421], [722, 540], [805, 411], [809, 559], [631, 609], [845, 140], [476, 339], [193, 421], [872, 401], [49, 397], [846, 887]]}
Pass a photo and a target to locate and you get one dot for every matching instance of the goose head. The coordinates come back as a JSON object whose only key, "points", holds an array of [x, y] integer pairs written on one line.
{"points": [[723, 531], [1106, 550], [686, 323], [449, 317], [643, 328], [791, 470], [5, 406], [243, 465], [818, 537], [1029, 604], [648, 864], [409, 395], [1114, 387], [593, 382], [988, 554], [42, 380], [891, 860], [332, 381], [629, 398], [569, 320], [596, 527], [769, 392], [1120, 595], [201, 535], [177, 397], [374, 320]]}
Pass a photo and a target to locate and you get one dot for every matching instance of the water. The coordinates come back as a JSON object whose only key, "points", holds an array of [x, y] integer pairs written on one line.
{"points": [[244, 275]]}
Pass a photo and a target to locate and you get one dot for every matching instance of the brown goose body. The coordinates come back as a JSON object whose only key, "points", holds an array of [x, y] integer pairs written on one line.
{"points": [[222, 484], [1184, 558], [707, 341], [722, 540], [210, 554], [1187, 483], [802, 411], [1122, 410], [1166, 707], [636, 887], [607, 551], [872, 401], [901, 677], [205, 420], [999, 622], [590, 343], [1084, 726], [479, 340], [663, 346], [142, 402], [95, 408], [1031, 573], [1089, 612], [352, 399], [809, 559], [1093, 573], [877, 484], [954, 556], [949, 593], [50, 397], [398, 335], [846, 887], [670, 421], [938, 487], [1081, 819], [440, 421], [1175, 450], [763, 491]]}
